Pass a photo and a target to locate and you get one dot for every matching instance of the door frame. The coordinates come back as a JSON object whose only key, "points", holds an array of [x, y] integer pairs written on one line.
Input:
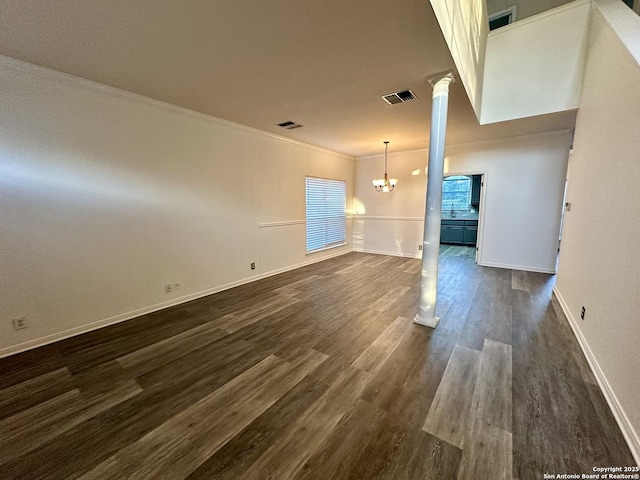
{"points": [[483, 188]]}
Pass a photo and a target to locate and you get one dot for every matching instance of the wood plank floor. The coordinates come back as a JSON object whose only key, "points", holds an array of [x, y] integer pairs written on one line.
{"points": [[318, 373]]}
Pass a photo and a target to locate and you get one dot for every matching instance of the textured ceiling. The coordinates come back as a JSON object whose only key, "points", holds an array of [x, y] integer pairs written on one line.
{"points": [[321, 63]]}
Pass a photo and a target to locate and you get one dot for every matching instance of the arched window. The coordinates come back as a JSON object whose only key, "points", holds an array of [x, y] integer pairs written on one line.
{"points": [[456, 193]]}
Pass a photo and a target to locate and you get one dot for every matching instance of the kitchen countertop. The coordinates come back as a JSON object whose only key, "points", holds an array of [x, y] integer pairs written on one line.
{"points": [[473, 216]]}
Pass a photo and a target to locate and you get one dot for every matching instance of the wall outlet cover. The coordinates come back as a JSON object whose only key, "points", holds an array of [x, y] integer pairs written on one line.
{"points": [[19, 323]]}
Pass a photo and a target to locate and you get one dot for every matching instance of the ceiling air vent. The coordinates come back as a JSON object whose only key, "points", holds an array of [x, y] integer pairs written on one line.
{"points": [[399, 97], [289, 125]]}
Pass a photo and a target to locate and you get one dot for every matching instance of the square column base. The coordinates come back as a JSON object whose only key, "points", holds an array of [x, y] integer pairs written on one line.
{"points": [[432, 323]]}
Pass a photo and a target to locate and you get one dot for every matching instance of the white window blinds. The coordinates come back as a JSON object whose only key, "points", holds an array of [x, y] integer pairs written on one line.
{"points": [[326, 221]]}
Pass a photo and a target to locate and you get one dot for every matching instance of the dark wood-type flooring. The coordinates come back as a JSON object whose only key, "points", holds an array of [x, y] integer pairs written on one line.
{"points": [[318, 373]]}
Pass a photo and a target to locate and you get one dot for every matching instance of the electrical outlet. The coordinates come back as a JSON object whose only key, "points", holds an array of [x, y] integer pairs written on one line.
{"points": [[582, 312], [420, 247], [253, 266], [176, 286], [19, 323], [168, 288]]}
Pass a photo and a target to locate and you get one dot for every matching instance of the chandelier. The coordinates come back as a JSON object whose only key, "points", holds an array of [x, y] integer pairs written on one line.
{"points": [[384, 184]]}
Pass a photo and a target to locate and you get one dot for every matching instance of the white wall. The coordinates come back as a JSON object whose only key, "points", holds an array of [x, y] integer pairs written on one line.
{"points": [[600, 259], [465, 27], [524, 187], [106, 196], [535, 66]]}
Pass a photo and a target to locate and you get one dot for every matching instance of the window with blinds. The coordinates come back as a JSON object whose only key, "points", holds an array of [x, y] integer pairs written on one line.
{"points": [[326, 218]]}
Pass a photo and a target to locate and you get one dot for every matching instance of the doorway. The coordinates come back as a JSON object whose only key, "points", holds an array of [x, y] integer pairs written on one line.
{"points": [[461, 210]]}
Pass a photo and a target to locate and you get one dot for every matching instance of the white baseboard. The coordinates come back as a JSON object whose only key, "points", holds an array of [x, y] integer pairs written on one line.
{"points": [[519, 267], [630, 435], [72, 332], [393, 254]]}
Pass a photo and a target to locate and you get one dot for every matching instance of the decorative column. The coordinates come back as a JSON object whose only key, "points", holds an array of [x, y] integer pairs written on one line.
{"points": [[435, 175]]}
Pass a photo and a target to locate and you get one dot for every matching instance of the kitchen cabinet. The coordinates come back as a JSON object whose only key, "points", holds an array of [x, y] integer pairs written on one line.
{"points": [[476, 184], [459, 232], [470, 234], [452, 233]]}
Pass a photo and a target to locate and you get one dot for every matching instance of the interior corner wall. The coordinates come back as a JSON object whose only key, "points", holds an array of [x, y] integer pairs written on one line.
{"points": [[106, 196], [524, 188], [600, 258]]}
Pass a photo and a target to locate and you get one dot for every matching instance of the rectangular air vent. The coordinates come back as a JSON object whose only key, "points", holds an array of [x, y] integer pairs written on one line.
{"points": [[399, 97], [289, 125]]}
